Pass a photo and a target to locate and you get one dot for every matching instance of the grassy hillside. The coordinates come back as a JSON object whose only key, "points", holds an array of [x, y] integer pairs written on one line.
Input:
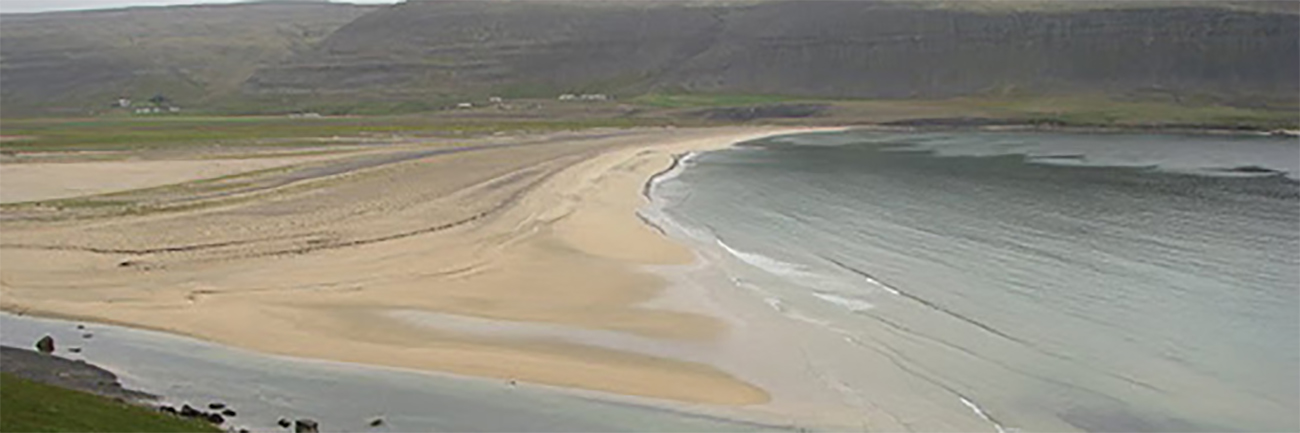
{"points": [[27, 406], [78, 62]]}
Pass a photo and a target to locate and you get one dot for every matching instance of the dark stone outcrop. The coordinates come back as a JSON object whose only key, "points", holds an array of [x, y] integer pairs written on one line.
{"points": [[228, 412], [306, 426], [376, 422], [45, 344], [283, 422], [190, 412]]}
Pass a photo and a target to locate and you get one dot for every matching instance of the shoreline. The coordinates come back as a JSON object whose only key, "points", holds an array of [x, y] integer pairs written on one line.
{"points": [[176, 370], [598, 198], [999, 125]]}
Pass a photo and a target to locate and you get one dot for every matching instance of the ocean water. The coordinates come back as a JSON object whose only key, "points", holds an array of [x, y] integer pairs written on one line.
{"points": [[1036, 281]]}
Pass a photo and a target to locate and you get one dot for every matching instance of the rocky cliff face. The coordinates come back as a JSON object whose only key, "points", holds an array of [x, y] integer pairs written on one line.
{"points": [[852, 49], [814, 48]]}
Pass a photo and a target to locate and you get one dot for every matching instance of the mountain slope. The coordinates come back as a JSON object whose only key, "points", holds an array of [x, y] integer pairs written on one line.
{"points": [[74, 61], [863, 49], [276, 56]]}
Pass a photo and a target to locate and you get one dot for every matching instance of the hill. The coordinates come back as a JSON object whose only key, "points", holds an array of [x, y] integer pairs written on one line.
{"points": [[71, 62], [836, 49], [426, 54]]}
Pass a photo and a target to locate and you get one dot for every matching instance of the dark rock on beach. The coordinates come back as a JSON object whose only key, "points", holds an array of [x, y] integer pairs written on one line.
{"points": [[45, 344], [305, 426], [216, 406], [283, 423], [1252, 169], [376, 422], [228, 412]]}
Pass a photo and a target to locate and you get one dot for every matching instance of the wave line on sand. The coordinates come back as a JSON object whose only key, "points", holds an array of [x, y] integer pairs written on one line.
{"points": [[769, 264]]}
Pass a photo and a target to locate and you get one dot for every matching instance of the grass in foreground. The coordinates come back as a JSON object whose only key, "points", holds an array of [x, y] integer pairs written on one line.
{"points": [[27, 406]]}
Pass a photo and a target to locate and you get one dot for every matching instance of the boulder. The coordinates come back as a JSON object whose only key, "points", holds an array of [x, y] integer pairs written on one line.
{"points": [[306, 426], [216, 406], [283, 423], [214, 418], [74, 349], [45, 344], [168, 409], [190, 412], [228, 412], [376, 422]]}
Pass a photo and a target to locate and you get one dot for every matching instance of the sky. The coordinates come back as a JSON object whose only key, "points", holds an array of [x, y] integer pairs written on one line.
{"points": [[8, 6]]}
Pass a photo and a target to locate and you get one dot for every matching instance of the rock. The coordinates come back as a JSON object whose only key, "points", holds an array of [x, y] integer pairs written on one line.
{"points": [[376, 422], [1252, 169], [190, 412], [80, 326], [74, 349], [45, 344], [216, 406], [243, 430], [283, 423], [215, 418], [306, 426], [168, 409], [228, 412], [87, 335]]}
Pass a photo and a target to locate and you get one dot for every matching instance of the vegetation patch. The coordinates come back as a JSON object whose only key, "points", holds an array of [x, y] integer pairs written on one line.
{"points": [[27, 406]]}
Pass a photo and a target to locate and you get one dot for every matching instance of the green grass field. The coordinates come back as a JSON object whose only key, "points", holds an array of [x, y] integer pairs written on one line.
{"points": [[27, 406], [131, 133], [145, 133], [691, 100]]}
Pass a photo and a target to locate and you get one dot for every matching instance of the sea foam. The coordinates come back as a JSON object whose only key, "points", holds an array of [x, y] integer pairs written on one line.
{"points": [[854, 305], [769, 264]]}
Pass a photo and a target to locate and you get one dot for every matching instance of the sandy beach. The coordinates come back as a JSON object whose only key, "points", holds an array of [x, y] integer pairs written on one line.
{"points": [[410, 264]]}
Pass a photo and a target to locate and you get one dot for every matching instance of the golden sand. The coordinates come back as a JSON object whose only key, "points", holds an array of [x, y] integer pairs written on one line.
{"points": [[543, 233]]}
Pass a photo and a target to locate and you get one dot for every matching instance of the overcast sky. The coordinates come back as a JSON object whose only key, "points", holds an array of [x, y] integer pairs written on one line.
{"points": [[64, 5]]}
